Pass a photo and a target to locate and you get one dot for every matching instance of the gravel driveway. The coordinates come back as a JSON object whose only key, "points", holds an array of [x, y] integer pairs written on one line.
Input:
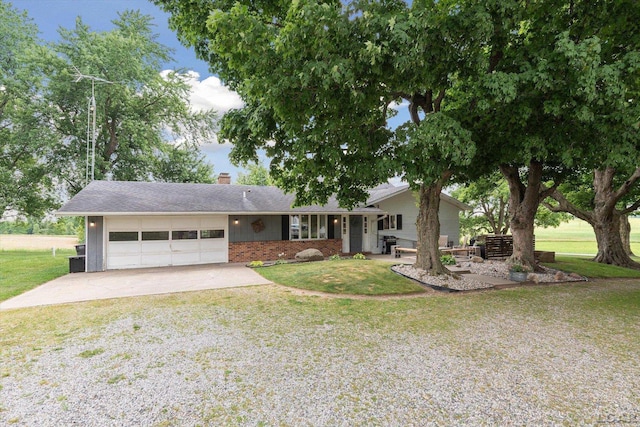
{"points": [[264, 356]]}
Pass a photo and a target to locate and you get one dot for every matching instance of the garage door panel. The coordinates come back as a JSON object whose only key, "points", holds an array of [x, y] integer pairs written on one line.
{"points": [[153, 253], [155, 247], [155, 260], [124, 248], [213, 222], [123, 261], [123, 224], [185, 223], [214, 256], [187, 258], [156, 223], [185, 246]]}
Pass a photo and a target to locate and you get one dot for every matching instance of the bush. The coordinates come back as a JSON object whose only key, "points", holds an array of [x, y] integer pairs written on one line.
{"points": [[335, 257], [448, 259], [519, 268], [254, 264], [359, 256]]}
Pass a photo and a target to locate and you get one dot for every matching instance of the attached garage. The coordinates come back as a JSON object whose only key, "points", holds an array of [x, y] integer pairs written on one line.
{"points": [[157, 241]]}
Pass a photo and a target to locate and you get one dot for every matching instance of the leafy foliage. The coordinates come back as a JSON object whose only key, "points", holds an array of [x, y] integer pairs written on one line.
{"points": [[448, 259], [145, 128], [489, 198], [258, 175], [25, 186]]}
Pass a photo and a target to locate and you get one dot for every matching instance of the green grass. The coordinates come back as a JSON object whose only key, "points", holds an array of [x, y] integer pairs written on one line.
{"points": [[22, 270], [350, 277], [577, 237], [586, 267], [481, 330]]}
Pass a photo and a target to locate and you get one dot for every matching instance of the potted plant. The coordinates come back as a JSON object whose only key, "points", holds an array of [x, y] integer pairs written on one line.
{"points": [[518, 273]]}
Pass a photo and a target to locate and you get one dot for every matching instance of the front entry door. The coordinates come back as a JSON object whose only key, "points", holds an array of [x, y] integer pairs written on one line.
{"points": [[355, 234]]}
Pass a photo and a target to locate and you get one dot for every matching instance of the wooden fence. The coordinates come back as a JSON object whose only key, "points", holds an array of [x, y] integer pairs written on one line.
{"points": [[499, 247]]}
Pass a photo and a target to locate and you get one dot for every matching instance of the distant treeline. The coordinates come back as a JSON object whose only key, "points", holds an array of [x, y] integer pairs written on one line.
{"points": [[61, 226]]}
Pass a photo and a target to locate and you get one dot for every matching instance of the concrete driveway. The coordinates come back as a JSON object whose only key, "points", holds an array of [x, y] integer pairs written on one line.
{"points": [[127, 283]]}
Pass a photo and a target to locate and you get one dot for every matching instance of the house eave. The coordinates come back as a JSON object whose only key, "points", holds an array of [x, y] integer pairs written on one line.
{"points": [[292, 212]]}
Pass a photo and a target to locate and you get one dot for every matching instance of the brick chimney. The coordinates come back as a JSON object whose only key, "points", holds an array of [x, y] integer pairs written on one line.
{"points": [[224, 178]]}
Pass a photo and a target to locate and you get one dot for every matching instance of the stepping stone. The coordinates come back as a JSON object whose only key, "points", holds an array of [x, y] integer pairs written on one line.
{"points": [[495, 281], [457, 270]]}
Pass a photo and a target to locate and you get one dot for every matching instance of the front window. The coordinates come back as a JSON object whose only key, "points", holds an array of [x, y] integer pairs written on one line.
{"points": [[308, 227], [389, 222]]}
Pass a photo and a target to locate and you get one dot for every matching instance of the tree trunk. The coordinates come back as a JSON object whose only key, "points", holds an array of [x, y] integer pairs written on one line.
{"points": [[428, 225], [610, 247], [523, 205], [606, 222], [625, 233]]}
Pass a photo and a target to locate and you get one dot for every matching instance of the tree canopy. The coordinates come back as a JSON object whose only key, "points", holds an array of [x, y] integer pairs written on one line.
{"points": [[145, 129], [321, 80], [25, 186], [258, 175], [509, 85]]}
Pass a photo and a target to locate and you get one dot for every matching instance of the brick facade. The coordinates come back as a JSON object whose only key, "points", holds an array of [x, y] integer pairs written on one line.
{"points": [[269, 250]]}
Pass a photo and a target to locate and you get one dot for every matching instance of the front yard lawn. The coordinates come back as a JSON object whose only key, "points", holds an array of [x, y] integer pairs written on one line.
{"points": [[559, 355], [349, 277], [22, 270], [585, 267]]}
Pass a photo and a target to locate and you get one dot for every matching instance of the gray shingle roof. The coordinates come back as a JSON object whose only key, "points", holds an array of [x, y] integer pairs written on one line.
{"points": [[123, 197], [385, 191]]}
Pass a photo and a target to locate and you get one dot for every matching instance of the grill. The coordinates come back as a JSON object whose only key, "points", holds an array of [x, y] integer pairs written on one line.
{"points": [[387, 242]]}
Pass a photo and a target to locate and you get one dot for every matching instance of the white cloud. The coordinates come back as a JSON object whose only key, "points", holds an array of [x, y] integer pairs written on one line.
{"points": [[209, 93], [395, 106]]}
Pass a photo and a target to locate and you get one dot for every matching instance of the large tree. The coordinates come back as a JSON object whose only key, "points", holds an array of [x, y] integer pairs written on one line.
{"points": [[558, 100], [488, 197], [320, 81], [603, 198], [145, 129], [258, 175], [25, 187]]}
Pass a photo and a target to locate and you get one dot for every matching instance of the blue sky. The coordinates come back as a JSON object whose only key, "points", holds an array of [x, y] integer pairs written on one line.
{"points": [[49, 15]]}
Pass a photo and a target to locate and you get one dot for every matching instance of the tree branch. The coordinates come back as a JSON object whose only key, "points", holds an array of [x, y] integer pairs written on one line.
{"points": [[627, 186], [634, 207], [565, 205]]}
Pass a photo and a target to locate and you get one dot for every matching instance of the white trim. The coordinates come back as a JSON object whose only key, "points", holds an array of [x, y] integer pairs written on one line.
{"points": [[359, 212]]}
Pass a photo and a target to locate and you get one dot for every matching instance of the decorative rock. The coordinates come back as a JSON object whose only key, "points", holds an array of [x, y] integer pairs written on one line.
{"points": [[477, 259], [576, 276], [533, 278], [560, 276], [310, 255]]}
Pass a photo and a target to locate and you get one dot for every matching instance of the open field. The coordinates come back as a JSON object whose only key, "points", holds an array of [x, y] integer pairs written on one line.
{"points": [[22, 270], [577, 237], [36, 241], [547, 355]]}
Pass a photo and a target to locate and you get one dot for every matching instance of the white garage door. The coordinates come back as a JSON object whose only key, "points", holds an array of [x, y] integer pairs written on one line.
{"points": [[167, 240]]}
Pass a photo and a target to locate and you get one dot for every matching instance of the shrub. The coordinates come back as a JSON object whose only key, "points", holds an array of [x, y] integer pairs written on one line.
{"points": [[254, 264], [448, 259], [280, 261], [519, 268], [335, 257], [359, 256]]}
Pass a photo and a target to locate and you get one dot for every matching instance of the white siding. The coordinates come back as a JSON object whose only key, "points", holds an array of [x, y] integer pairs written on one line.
{"points": [[405, 204]]}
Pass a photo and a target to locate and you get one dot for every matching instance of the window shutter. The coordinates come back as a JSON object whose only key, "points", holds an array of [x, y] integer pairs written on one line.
{"points": [[285, 227], [380, 223], [398, 222]]}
